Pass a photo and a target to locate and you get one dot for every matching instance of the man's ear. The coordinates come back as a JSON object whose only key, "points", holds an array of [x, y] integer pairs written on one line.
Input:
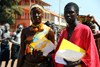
{"points": [[77, 15]]}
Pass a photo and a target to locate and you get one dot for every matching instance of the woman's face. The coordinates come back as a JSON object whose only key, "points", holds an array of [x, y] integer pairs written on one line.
{"points": [[36, 15]]}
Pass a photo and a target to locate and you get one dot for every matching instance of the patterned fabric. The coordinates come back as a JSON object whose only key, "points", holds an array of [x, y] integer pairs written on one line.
{"points": [[15, 51], [45, 45], [37, 36], [5, 52]]}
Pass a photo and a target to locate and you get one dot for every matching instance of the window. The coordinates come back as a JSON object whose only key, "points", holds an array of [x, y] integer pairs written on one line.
{"points": [[48, 16], [58, 19], [25, 15], [45, 15], [25, 2], [28, 15]]}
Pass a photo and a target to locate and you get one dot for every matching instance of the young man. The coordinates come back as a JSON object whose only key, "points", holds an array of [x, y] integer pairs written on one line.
{"points": [[16, 39], [81, 35], [5, 52]]}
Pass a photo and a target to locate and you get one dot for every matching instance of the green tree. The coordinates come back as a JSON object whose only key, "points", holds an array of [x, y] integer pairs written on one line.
{"points": [[8, 9]]}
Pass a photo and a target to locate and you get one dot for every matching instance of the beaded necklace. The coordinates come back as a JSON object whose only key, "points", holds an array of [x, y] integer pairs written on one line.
{"points": [[37, 28]]}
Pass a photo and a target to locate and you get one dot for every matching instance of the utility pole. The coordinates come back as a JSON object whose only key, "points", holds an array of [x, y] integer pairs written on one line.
{"points": [[59, 12]]}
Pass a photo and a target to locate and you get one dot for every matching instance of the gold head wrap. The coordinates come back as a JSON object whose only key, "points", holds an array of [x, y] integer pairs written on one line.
{"points": [[37, 6], [38, 27]]}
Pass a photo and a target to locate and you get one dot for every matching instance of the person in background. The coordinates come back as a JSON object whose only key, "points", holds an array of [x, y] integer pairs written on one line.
{"points": [[2, 28], [5, 51], [47, 23], [0, 32], [15, 39], [0, 45], [79, 34]]}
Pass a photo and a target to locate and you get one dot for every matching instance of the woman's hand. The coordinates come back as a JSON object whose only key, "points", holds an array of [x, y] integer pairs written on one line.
{"points": [[38, 54]]}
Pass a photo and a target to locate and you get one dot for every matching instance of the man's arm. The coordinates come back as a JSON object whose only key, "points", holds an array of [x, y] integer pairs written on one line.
{"points": [[13, 41], [96, 35], [94, 21], [3, 39], [22, 50]]}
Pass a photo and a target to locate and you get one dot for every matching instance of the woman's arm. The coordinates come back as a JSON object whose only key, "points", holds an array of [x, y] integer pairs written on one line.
{"points": [[22, 49], [51, 36]]}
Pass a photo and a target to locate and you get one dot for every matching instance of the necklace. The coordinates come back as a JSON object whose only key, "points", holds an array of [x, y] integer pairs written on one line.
{"points": [[37, 28]]}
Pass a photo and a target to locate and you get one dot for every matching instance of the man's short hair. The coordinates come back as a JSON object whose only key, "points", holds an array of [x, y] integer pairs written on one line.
{"points": [[74, 5], [19, 25]]}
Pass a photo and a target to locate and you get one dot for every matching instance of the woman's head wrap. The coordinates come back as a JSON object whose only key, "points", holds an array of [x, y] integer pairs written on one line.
{"points": [[37, 6]]}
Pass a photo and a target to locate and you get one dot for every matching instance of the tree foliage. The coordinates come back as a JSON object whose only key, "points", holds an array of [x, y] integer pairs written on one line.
{"points": [[8, 9]]}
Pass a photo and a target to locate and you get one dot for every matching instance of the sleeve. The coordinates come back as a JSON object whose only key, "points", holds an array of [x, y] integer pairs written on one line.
{"points": [[91, 58]]}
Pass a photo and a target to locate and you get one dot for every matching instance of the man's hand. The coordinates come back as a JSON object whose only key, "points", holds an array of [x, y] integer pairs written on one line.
{"points": [[72, 63]]}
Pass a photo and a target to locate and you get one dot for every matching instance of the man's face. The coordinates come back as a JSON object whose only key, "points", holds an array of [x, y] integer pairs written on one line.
{"points": [[70, 14], [7, 27], [19, 28], [36, 15]]}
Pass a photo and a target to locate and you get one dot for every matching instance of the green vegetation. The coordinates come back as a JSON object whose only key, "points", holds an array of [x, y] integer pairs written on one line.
{"points": [[8, 9]]}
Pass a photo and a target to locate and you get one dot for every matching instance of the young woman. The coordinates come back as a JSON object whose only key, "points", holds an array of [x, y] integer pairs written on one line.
{"points": [[29, 57]]}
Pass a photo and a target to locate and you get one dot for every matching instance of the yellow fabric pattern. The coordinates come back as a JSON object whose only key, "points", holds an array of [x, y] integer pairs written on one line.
{"points": [[45, 45]]}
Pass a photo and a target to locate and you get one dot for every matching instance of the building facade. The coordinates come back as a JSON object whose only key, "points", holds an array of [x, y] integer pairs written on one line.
{"points": [[25, 20]]}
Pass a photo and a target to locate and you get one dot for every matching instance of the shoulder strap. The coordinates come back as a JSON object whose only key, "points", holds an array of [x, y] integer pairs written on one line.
{"points": [[40, 35]]}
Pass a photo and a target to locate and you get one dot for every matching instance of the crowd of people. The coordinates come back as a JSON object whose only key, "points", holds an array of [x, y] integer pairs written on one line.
{"points": [[5, 38], [24, 40]]}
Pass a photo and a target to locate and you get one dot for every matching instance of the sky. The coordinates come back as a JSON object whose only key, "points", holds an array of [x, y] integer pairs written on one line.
{"points": [[91, 7]]}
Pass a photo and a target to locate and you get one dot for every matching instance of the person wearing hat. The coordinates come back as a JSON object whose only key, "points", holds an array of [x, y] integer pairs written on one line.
{"points": [[28, 56]]}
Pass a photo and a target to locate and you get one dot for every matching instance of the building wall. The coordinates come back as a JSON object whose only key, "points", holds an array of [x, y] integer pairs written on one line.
{"points": [[52, 18], [22, 19], [46, 17], [27, 2], [26, 15], [24, 2]]}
